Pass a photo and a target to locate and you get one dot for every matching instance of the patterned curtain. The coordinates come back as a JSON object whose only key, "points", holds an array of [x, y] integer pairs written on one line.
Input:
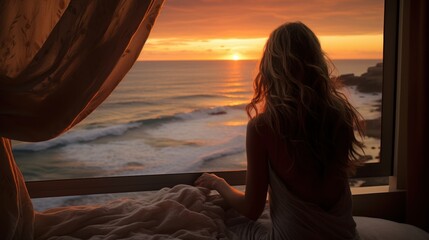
{"points": [[59, 59]]}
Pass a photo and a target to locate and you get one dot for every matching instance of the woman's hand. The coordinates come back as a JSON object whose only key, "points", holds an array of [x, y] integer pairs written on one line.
{"points": [[210, 181]]}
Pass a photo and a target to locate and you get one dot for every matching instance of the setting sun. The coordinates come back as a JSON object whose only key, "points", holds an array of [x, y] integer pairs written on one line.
{"points": [[182, 36]]}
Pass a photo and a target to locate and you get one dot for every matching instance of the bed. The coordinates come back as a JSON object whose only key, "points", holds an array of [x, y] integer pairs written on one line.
{"points": [[181, 212]]}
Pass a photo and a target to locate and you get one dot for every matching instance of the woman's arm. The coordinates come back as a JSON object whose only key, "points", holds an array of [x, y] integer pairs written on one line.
{"points": [[252, 202]]}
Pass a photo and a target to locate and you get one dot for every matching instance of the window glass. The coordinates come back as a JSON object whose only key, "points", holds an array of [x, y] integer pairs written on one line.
{"points": [[181, 106]]}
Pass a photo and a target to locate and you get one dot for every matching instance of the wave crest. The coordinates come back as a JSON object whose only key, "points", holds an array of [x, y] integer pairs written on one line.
{"points": [[92, 132]]}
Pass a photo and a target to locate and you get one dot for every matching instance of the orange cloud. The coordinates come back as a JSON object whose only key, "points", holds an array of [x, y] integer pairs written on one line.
{"points": [[189, 29]]}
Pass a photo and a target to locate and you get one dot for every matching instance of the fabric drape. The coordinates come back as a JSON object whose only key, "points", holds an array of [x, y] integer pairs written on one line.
{"points": [[417, 76], [58, 61]]}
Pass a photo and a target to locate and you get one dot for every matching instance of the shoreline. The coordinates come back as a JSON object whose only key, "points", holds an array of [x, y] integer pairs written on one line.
{"points": [[369, 82]]}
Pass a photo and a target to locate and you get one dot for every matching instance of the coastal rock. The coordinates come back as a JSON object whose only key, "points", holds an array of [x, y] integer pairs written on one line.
{"points": [[369, 82], [373, 127]]}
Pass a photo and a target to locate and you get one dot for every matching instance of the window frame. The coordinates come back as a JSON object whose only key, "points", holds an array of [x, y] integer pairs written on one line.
{"points": [[100, 185], [384, 168]]}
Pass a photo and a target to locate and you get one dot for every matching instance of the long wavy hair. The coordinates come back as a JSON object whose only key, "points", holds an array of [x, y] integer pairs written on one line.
{"points": [[295, 95]]}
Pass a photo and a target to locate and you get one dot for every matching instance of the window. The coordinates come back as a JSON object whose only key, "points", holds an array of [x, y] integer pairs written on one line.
{"points": [[171, 116]]}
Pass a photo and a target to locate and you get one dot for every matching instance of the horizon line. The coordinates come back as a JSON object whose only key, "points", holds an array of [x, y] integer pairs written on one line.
{"points": [[232, 60]]}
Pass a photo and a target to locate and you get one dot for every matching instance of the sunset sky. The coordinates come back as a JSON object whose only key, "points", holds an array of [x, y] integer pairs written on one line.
{"points": [[238, 29]]}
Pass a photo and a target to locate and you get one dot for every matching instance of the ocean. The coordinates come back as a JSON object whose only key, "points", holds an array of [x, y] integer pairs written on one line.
{"points": [[168, 117]]}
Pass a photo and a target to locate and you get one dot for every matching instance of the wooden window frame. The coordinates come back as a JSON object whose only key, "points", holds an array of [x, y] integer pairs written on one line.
{"points": [[384, 168]]}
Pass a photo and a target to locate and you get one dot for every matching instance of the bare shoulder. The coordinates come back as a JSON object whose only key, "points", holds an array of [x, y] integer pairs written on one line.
{"points": [[258, 137], [258, 127], [258, 122]]}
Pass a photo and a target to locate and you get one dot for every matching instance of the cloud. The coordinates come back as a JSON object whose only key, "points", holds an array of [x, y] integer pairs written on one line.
{"points": [[251, 18], [215, 29]]}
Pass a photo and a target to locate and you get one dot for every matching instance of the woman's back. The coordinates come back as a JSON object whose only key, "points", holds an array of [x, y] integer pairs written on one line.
{"points": [[293, 217], [303, 176], [305, 128], [307, 200]]}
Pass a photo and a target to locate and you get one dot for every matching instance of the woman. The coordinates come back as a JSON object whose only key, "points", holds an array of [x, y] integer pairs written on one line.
{"points": [[300, 144]]}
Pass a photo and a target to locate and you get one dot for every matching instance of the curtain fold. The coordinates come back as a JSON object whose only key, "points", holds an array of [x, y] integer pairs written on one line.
{"points": [[16, 210], [19, 38], [418, 113], [58, 61]]}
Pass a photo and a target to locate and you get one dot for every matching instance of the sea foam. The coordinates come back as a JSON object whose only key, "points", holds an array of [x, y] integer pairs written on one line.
{"points": [[96, 132], [77, 136]]}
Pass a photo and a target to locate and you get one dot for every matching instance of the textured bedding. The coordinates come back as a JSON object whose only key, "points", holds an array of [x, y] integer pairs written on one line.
{"points": [[181, 212]]}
